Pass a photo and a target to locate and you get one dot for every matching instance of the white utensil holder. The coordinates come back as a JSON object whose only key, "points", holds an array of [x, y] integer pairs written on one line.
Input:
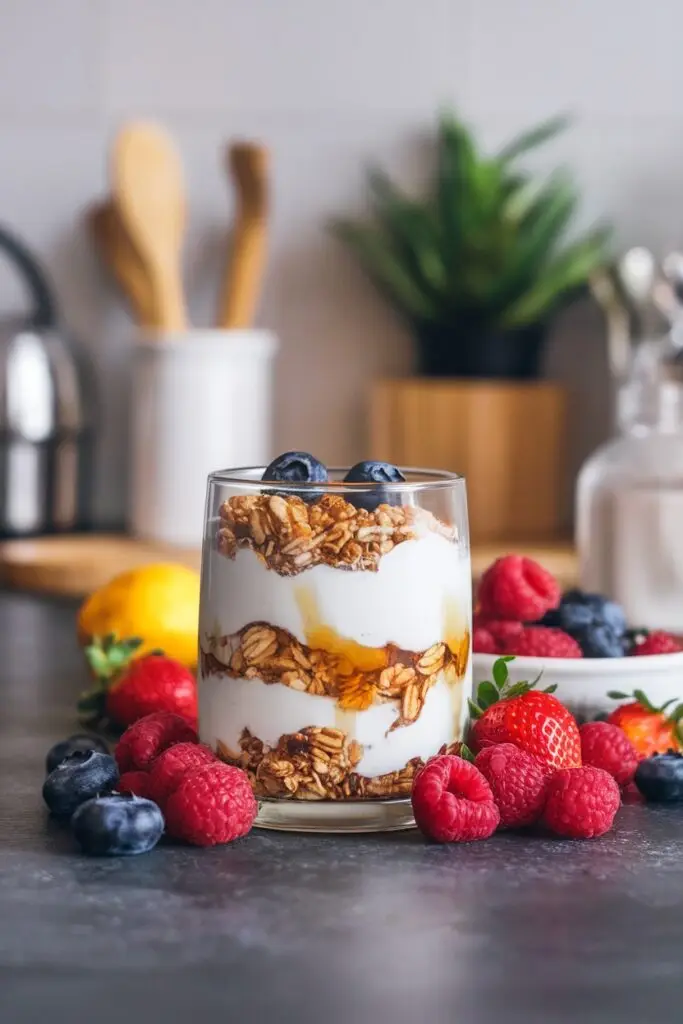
{"points": [[201, 401]]}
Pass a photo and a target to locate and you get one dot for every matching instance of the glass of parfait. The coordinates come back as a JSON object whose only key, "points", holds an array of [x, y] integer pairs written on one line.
{"points": [[335, 626]]}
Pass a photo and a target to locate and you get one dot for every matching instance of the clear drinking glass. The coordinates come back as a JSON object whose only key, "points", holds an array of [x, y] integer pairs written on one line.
{"points": [[334, 638]]}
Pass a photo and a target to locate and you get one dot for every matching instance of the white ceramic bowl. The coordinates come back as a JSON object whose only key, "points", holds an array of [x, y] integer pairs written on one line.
{"points": [[583, 683]]}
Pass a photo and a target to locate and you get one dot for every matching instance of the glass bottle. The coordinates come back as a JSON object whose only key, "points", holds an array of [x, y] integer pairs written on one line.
{"points": [[629, 496]]}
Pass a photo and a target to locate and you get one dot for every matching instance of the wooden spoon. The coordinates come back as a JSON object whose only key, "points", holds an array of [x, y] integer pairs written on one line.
{"points": [[247, 164], [120, 256], [148, 192]]}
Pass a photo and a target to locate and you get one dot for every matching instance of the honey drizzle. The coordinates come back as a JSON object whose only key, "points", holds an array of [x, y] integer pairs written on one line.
{"points": [[351, 656], [455, 628]]}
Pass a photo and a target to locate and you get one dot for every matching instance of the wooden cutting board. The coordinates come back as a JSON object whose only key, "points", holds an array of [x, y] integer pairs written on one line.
{"points": [[77, 564], [74, 565]]}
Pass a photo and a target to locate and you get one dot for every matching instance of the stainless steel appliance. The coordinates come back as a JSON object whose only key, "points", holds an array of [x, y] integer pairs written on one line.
{"points": [[46, 409]]}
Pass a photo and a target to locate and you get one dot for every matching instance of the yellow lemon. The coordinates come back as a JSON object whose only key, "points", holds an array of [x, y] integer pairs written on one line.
{"points": [[159, 603]]}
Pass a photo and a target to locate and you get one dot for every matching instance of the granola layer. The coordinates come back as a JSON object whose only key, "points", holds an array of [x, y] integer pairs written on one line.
{"points": [[275, 656], [289, 535], [317, 763]]}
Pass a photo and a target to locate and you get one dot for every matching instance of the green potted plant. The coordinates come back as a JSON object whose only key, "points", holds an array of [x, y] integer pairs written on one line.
{"points": [[480, 265]]}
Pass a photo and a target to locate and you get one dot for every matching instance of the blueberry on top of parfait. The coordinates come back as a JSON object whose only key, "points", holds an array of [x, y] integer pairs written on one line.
{"points": [[373, 472], [297, 467]]}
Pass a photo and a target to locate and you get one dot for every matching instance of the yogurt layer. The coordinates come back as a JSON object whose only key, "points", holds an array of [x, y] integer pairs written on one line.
{"points": [[419, 596], [227, 706]]}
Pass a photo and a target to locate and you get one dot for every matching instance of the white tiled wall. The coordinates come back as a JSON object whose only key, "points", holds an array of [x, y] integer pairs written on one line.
{"points": [[329, 86]]}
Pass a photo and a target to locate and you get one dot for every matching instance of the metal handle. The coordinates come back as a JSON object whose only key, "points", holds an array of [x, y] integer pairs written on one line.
{"points": [[44, 313]]}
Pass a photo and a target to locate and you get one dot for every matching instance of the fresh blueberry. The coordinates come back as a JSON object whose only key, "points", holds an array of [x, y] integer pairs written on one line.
{"points": [[117, 825], [297, 467], [77, 778], [374, 473], [600, 641], [570, 617], [578, 611], [608, 612], [660, 778], [79, 741], [604, 610]]}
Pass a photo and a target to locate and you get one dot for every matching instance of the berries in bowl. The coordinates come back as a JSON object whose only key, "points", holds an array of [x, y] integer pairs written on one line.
{"points": [[581, 642]]}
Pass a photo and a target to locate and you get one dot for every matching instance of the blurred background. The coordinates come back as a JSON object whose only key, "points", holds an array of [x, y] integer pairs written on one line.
{"points": [[329, 89]]}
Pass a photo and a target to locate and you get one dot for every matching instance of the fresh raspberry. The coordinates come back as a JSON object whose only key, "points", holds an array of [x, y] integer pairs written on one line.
{"points": [[504, 631], [495, 635], [518, 782], [657, 642], [543, 642], [212, 804], [630, 794], [517, 588], [452, 749], [172, 766], [608, 747], [148, 737], [134, 782], [581, 803], [453, 802], [483, 642]]}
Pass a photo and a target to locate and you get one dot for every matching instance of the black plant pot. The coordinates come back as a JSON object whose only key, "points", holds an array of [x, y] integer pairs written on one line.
{"points": [[446, 351]]}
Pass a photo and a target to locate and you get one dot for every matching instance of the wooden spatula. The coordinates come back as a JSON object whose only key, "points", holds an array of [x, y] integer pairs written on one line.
{"points": [[123, 261], [148, 193], [247, 165]]}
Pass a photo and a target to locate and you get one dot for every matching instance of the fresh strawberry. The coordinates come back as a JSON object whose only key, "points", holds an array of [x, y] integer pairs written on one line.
{"points": [[127, 690], [153, 683], [532, 720], [651, 730]]}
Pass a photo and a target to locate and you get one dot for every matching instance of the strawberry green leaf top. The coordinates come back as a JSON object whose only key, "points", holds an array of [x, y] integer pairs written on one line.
{"points": [[107, 657], [501, 688]]}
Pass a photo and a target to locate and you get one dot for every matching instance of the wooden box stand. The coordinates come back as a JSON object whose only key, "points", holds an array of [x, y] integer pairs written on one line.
{"points": [[506, 438]]}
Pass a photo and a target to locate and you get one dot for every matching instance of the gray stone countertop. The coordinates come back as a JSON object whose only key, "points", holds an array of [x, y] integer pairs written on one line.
{"points": [[329, 929]]}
